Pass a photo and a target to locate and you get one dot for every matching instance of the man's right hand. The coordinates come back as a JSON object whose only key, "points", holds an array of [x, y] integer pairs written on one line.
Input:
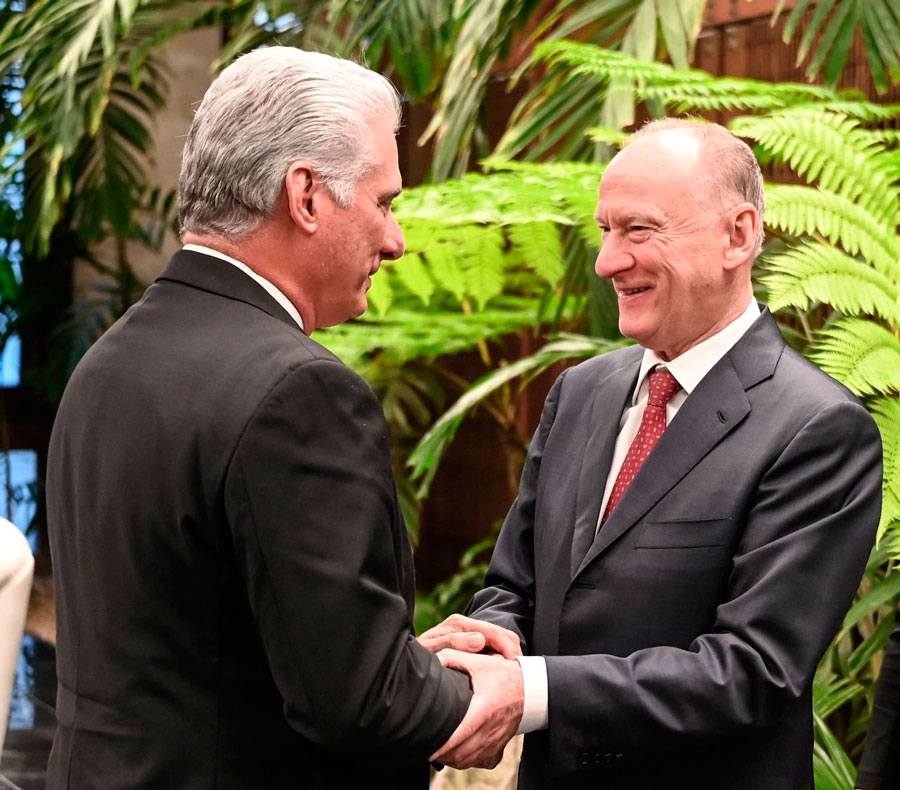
{"points": [[493, 715], [462, 633]]}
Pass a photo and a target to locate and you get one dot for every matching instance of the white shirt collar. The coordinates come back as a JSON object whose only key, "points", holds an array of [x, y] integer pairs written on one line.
{"points": [[690, 367], [277, 295]]}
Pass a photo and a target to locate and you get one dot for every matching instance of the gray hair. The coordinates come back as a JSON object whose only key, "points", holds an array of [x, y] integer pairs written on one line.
{"points": [[733, 167], [269, 108]]}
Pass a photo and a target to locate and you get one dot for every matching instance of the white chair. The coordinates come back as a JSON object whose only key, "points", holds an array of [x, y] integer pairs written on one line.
{"points": [[16, 571]]}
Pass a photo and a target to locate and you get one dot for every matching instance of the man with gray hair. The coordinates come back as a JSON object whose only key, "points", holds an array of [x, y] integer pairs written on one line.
{"points": [[695, 511], [233, 577]]}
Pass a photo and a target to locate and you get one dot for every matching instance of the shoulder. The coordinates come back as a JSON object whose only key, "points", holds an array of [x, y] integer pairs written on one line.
{"points": [[801, 387], [594, 370]]}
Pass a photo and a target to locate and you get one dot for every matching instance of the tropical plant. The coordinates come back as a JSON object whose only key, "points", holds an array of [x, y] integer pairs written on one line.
{"points": [[877, 21]]}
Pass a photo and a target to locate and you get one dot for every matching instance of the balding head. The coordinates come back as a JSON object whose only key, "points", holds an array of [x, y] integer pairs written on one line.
{"points": [[726, 167]]}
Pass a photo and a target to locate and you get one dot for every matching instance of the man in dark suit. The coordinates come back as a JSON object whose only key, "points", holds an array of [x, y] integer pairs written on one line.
{"points": [[880, 765], [233, 577], [695, 512]]}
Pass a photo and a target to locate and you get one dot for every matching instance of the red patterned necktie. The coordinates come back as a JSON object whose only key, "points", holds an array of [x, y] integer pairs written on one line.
{"points": [[653, 422]]}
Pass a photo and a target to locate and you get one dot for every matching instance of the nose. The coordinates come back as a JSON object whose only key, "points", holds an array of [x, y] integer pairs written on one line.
{"points": [[394, 244], [612, 258]]}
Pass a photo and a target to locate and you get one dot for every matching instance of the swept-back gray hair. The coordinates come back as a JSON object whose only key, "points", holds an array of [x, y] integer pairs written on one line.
{"points": [[269, 108], [733, 169]]}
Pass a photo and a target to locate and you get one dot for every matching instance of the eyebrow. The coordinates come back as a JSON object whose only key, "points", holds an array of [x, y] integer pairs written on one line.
{"points": [[628, 217]]}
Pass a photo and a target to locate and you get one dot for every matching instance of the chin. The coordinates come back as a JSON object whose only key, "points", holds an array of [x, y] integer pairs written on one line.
{"points": [[633, 330]]}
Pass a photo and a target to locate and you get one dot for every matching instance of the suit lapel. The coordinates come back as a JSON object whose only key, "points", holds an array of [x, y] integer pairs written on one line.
{"points": [[714, 409], [610, 399], [220, 277]]}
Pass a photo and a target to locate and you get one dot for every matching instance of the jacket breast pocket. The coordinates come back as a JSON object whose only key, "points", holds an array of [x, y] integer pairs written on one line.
{"points": [[685, 533]]}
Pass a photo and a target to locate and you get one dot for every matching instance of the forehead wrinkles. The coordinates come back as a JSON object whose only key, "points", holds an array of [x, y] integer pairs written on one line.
{"points": [[624, 197]]}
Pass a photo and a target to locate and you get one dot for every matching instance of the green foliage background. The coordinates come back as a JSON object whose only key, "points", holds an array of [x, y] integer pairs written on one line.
{"points": [[495, 252]]}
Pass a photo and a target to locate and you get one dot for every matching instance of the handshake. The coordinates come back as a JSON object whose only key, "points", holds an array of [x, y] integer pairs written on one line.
{"points": [[496, 680]]}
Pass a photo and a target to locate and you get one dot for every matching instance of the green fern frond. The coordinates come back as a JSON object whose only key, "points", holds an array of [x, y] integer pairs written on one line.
{"points": [[483, 263], [403, 334], [727, 93], [865, 111], [683, 89], [419, 232], [414, 275], [447, 269], [887, 414], [606, 64], [814, 272], [568, 170], [604, 134], [524, 194], [804, 211], [538, 246], [381, 295], [831, 149], [861, 354]]}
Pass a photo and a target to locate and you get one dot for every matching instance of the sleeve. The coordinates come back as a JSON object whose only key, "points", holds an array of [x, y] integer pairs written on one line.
{"points": [[311, 503], [880, 766], [507, 599], [802, 552]]}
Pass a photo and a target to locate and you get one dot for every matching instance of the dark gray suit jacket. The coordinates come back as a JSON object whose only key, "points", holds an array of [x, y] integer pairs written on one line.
{"points": [[681, 642], [234, 582]]}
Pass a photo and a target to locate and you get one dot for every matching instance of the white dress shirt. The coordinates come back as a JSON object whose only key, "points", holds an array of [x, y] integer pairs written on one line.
{"points": [[688, 369], [277, 295]]}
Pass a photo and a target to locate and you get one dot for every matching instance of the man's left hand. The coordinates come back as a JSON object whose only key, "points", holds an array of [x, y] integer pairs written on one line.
{"points": [[462, 633]]}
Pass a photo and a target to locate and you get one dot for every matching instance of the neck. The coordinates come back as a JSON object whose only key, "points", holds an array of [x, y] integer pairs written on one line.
{"points": [[270, 258]]}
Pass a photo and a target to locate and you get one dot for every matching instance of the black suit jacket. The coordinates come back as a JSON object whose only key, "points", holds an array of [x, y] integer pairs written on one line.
{"points": [[681, 642], [880, 766], [234, 582]]}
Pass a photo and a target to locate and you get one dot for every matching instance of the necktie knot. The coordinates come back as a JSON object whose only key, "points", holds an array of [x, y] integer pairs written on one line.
{"points": [[663, 386]]}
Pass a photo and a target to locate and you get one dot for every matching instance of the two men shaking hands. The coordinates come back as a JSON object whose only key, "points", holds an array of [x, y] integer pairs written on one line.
{"points": [[234, 582]]}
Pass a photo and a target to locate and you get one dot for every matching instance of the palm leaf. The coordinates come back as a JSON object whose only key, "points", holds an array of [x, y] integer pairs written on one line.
{"points": [[483, 33], [831, 691], [835, 25], [832, 766], [555, 114], [414, 38], [425, 458], [885, 591]]}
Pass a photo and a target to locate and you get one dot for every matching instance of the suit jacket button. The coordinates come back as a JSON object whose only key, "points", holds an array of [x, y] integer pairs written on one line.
{"points": [[584, 759]]}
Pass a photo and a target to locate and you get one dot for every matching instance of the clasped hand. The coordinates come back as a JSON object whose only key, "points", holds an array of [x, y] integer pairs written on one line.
{"points": [[496, 679]]}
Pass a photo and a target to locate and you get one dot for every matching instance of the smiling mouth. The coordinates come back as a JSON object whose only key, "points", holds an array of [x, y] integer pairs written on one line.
{"points": [[631, 291]]}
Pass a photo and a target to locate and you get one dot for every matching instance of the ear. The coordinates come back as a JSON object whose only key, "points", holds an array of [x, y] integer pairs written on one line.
{"points": [[304, 193], [743, 228]]}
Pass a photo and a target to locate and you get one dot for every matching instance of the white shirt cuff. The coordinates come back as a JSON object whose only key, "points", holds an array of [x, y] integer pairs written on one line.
{"points": [[535, 715]]}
